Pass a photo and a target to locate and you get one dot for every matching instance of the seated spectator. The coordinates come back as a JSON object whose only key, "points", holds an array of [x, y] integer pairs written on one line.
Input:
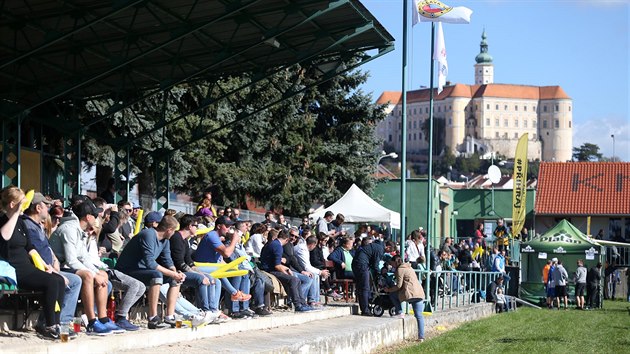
{"points": [[69, 244], [342, 257], [302, 253], [255, 243], [271, 261], [139, 260], [501, 304], [491, 289], [291, 261], [17, 249], [32, 218], [212, 250]]}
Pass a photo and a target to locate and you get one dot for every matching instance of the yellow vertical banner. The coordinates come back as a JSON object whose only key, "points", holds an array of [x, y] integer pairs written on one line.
{"points": [[519, 201]]}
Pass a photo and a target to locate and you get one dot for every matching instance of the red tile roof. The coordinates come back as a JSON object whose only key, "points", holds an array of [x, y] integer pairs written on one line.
{"points": [[583, 188], [475, 91]]}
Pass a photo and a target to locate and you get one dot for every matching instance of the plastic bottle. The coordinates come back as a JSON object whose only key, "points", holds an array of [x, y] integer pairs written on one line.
{"points": [[111, 308]]}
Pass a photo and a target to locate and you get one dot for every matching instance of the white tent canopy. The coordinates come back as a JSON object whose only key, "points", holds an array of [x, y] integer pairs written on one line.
{"points": [[358, 207]]}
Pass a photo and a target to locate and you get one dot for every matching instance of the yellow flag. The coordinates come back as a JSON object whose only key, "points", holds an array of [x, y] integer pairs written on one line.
{"points": [[519, 201]]}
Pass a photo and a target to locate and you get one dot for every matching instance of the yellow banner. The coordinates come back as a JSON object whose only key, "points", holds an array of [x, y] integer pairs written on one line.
{"points": [[519, 201]]}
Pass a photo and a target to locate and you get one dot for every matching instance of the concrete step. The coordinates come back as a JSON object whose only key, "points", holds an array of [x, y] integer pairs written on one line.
{"points": [[28, 342]]}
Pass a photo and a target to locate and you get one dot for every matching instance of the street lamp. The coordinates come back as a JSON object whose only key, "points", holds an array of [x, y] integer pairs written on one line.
{"points": [[613, 138], [462, 176], [393, 155]]}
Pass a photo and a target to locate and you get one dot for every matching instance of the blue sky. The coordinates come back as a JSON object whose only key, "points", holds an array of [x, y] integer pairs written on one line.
{"points": [[583, 46]]}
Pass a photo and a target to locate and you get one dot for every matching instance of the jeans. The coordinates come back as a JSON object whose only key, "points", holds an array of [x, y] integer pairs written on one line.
{"points": [[291, 285], [70, 297], [258, 292], [183, 307], [393, 297], [132, 288], [305, 283], [418, 308], [214, 290], [240, 283], [195, 280], [313, 291]]}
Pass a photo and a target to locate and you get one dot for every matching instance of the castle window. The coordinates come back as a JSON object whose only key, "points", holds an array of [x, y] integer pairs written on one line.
{"points": [[409, 125], [557, 123], [389, 125], [534, 136], [505, 108], [415, 124], [414, 136], [450, 108], [544, 108], [488, 106], [569, 108], [496, 107], [496, 134], [426, 109], [525, 123], [515, 108], [525, 108], [557, 108], [390, 138], [439, 109], [450, 121], [420, 136], [505, 136], [534, 108], [505, 123], [476, 107], [516, 123], [496, 122], [414, 111], [409, 137], [487, 122], [534, 124], [399, 137], [544, 124], [569, 124], [515, 135], [486, 70], [399, 125]]}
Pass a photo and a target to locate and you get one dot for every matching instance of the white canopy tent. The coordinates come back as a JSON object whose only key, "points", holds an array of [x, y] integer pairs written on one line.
{"points": [[356, 207]]}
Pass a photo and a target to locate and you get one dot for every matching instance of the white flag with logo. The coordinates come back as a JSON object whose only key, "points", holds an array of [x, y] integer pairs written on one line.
{"points": [[437, 11], [439, 54]]}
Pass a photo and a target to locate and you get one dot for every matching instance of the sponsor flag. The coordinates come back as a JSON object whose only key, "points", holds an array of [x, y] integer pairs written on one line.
{"points": [[520, 186], [439, 54], [437, 11]]}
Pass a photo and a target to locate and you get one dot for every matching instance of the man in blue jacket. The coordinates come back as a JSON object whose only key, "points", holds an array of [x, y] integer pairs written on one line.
{"points": [[139, 259], [368, 257]]}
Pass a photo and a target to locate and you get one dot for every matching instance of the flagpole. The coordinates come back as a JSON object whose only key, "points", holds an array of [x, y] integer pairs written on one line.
{"points": [[430, 167], [403, 136]]}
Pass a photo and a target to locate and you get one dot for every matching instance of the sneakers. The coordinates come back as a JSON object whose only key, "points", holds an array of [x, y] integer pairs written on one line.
{"points": [[156, 323], [126, 325], [239, 296], [303, 308], [170, 321], [198, 320], [98, 329], [262, 311], [238, 315], [316, 305], [51, 332], [250, 313], [221, 318], [113, 327], [335, 295]]}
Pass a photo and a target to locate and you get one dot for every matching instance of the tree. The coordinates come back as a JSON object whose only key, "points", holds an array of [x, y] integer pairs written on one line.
{"points": [[587, 152]]}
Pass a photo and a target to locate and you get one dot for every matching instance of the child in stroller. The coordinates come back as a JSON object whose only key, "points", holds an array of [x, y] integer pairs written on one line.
{"points": [[381, 300]]}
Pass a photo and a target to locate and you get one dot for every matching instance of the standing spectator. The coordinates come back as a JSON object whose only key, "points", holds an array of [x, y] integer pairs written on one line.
{"points": [[337, 225], [368, 257], [560, 277], [580, 284], [409, 289], [414, 248], [501, 234], [551, 284], [545, 280], [480, 236], [612, 279], [109, 192], [17, 249], [498, 265], [139, 260], [322, 224], [593, 279], [600, 235], [282, 221]]}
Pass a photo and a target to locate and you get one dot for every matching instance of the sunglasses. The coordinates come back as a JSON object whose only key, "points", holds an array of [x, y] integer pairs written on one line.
{"points": [[128, 210]]}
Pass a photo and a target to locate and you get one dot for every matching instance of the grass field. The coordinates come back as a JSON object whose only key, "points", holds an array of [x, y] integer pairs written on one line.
{"points": [[539, 331]]}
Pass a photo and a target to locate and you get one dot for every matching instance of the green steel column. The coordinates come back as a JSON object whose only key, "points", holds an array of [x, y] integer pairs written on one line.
{"points": [[10, 153], [403, 136], [71, 159], [430, 162], [121, 169], [162, 182]]}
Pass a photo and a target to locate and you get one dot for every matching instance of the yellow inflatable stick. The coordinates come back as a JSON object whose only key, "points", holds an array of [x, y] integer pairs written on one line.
{"points": [[138, 222], [477, 252], [203, 230], [227, 270], [38, 261], [28, 198]]}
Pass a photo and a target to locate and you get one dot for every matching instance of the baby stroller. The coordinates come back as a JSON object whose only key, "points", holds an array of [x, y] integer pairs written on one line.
{"points": [[380, 300]]}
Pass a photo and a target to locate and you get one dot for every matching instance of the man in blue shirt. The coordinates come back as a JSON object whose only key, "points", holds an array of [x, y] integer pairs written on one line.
{"points": [[139, 259], [271, 261]]}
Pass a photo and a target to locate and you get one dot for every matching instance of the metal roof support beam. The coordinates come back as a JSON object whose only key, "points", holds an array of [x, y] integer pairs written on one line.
{"points": [[121, 169], [162, 181], [11, 132], [222, 59], [309, 56], [71, 165], [337, 70], [124, 62]]}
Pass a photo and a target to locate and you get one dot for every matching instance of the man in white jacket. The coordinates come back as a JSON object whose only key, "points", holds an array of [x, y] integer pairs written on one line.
{"points": [[302, 253], [69, 242]]}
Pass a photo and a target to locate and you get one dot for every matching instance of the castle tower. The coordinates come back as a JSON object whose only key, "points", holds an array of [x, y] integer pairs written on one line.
{"points": [[484, 69]]}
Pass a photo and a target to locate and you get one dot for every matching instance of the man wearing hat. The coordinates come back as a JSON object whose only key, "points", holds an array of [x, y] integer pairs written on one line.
{"points": [[69, 244], [152, 219], [33, 217], [212, 250]]}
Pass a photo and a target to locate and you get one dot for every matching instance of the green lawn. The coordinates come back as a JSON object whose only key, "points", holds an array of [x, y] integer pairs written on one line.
{"points": [[539, 331]]}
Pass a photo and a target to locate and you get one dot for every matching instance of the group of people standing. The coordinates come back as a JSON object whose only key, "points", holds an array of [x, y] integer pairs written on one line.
{"points": [[556, 279]]}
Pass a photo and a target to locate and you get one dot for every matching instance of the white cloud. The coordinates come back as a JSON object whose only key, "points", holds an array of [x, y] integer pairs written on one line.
{"points": [[598, 131]]}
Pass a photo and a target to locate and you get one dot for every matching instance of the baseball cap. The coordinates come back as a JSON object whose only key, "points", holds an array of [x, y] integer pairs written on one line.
{"points": [[86, 208], [40, 198], [153, 216], [222, 220], [555, 260]]}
